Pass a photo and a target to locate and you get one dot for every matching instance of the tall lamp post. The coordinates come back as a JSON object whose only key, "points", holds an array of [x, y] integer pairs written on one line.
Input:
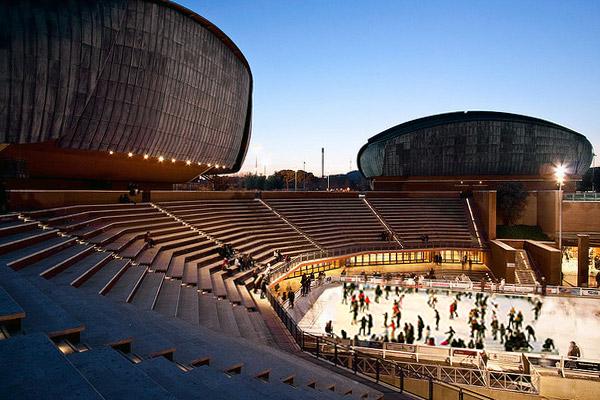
{"points": [[560, 172]]}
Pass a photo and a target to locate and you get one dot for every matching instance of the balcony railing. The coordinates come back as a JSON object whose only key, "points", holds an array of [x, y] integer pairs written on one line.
{"points": [[581, 196]]}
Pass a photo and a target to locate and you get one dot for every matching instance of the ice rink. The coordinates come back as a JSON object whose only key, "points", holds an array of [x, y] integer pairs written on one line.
{"points": [[562, 318]]}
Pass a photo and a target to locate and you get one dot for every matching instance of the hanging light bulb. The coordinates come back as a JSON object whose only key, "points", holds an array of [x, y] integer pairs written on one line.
{"points": [[161, 159]]}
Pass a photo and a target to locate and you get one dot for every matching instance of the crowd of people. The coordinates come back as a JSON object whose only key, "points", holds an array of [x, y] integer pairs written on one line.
{"points": [[512, 331]]}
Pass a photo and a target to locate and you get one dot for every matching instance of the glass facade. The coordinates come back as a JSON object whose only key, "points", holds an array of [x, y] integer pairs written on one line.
{"points": [[391, 258]]}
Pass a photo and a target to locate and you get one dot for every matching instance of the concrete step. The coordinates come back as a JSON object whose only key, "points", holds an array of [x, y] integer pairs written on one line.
{"points": [[227, 322], [11, 313], [261, 329], [115, 377], [21, 258], [68, 262], [168, 375], [207, 305], [168, 297], [24, 239], [102, 259], [246, 298], [187, 308], [42, 313], [39, 371], [147, 292], [218, 283], [134, 249], [81, 267], [52, 260], [245, 325], [232, 291], [190, 273], [126, 283], [103, 276]]}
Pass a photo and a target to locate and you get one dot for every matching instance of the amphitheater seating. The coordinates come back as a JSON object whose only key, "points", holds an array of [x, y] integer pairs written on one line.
{"points": [[160, 278], [332, 222], [444, 220], [101, 348], [84, 275], [249, 226]]}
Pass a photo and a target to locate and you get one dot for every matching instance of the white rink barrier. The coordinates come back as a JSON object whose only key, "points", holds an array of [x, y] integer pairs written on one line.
{"points": [[474, 286]]}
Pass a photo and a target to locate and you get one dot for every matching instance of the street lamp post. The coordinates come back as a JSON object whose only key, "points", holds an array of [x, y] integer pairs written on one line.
{"points": [[560, 173]]}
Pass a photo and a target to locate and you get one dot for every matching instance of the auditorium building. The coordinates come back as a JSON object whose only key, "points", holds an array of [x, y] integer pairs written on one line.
{"points": [[118, 91], [473, 150]]}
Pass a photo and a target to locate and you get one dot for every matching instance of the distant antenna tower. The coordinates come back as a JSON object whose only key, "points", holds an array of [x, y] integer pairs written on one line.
{"points": [[322, 162]]}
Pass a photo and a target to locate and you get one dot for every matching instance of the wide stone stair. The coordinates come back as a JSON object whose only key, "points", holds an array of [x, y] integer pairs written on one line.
{"points": [[91, 324]]}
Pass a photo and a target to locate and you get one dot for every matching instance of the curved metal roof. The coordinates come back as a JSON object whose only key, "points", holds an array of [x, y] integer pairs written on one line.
{"points": [[420, 126], [238, 53], [462, 116]]}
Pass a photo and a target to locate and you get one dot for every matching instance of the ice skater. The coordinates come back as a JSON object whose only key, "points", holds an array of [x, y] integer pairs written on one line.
{"points": [[378, 293], [453, 309], [530, 333], [393, 327], [370, 323], [437, 320], [518, 320], [548, 345], [494, 326], [420, 327], [450, 334], [363, 326], [537, 308]]}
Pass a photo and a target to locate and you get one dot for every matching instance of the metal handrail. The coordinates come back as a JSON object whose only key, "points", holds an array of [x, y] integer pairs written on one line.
{"points": [[581, 196], [380, 364]]}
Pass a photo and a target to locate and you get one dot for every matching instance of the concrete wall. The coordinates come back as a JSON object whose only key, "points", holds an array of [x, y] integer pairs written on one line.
{"points": [[581, 216], [546, 259], [485, 208], [161, 196], [556, 387], [501, 255], [547, 215], [529, 216], [39, 199]]}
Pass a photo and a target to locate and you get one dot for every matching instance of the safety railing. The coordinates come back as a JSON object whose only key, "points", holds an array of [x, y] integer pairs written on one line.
{"points": [[486, 286], [581, 196], [378, 369]]}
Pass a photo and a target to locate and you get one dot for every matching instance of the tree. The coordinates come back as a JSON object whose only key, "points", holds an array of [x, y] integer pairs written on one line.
{"points": [[511, 199], [274, 182]]}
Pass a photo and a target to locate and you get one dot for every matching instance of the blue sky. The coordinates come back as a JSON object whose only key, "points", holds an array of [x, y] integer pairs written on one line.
{"points": [[334, 73]]}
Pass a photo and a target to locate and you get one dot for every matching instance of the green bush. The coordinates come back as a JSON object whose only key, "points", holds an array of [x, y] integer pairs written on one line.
{"points": [[532, 232]]}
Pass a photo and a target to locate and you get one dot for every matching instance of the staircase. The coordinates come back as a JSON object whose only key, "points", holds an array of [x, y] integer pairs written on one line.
{"points": [[524, 273]]}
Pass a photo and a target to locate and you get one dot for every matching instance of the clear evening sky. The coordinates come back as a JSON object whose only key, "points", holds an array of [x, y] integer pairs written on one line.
{"points": [[334, 73]]}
